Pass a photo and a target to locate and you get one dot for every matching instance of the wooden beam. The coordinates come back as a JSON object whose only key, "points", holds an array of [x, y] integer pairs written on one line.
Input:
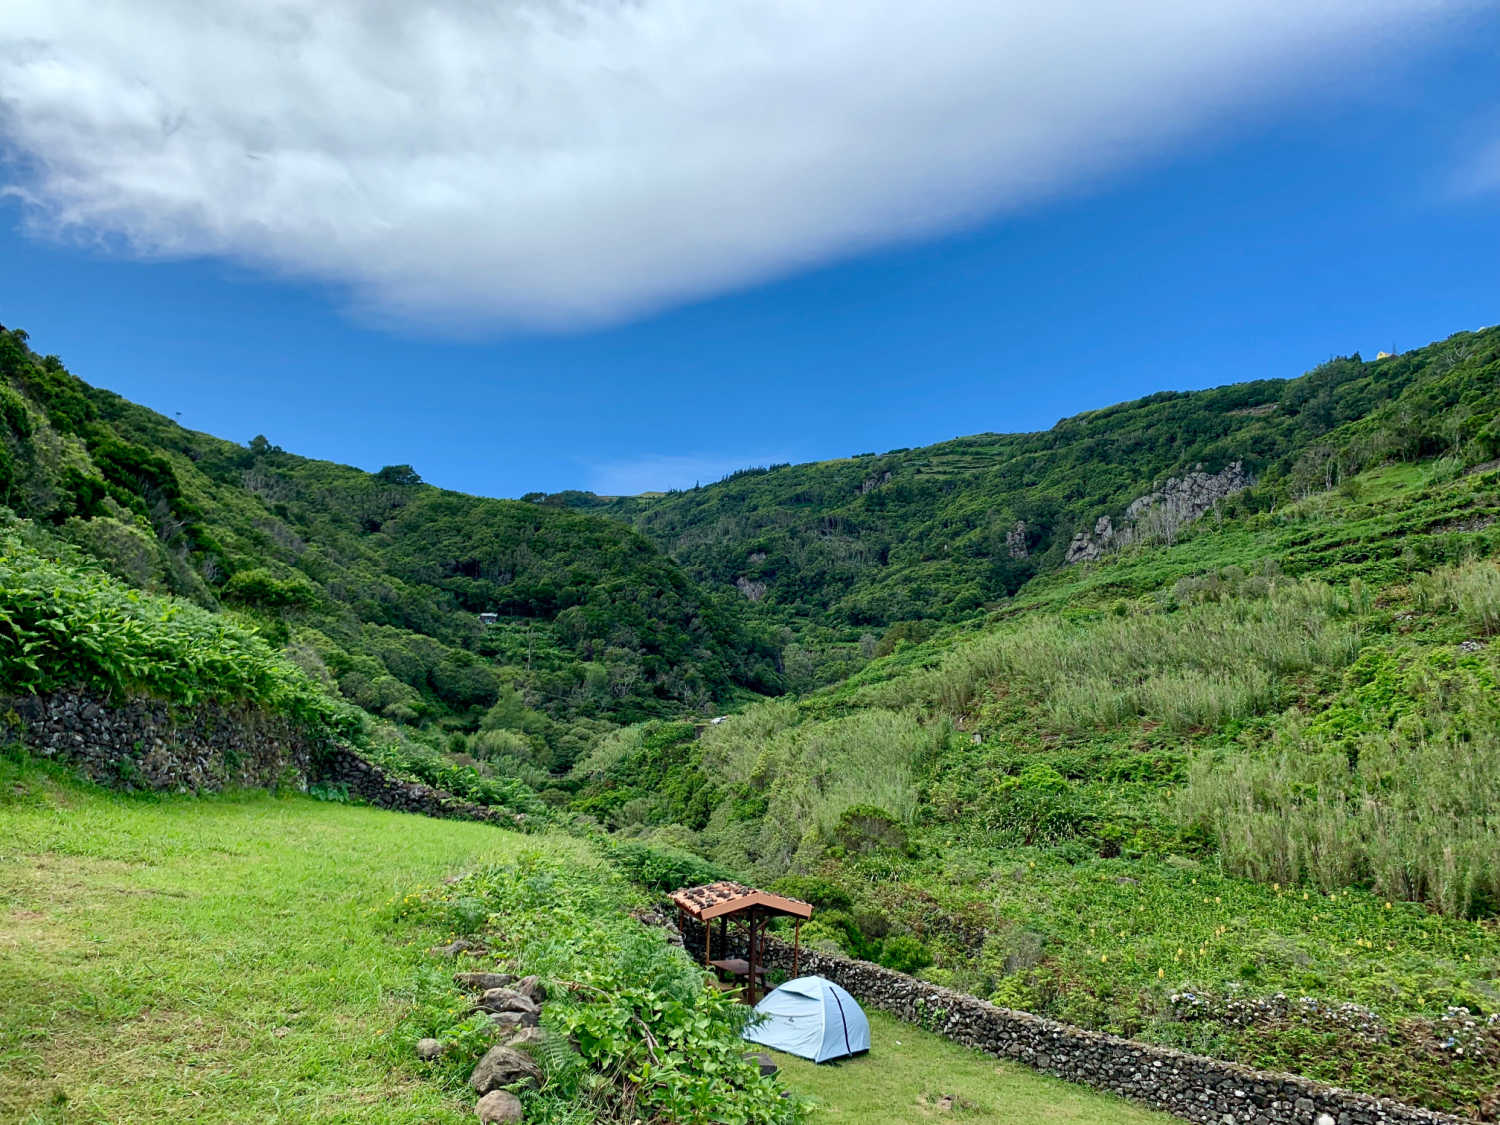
{"points": [[797, 948]]}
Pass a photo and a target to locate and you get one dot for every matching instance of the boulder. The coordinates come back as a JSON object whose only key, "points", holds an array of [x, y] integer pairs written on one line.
{"points": [[429, 1049], [499, 1107], [767, 1064], [455, 947], [531, 988], [505, 1000], [482, 982], [504, 1066]]}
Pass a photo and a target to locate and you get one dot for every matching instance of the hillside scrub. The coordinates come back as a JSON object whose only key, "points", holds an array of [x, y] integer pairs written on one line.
{"points": [[1223, 655], [812, 777], [945, 531], [1394, 784], [65, 624], [633, 1031]]}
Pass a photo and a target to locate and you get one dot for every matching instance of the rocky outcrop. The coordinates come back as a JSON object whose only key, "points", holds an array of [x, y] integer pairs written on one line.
{"points": [[753, 589], [1015, 541], [1159, 515]]}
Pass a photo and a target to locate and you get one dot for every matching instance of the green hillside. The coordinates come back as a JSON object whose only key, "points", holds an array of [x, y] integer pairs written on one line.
{"points": [[374, 583], [1154, 794], [943, 531], [1229, 782]]}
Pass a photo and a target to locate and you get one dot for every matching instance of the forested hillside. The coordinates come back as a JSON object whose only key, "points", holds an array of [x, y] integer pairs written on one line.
{"points": [[375, 583], [941, 532]]}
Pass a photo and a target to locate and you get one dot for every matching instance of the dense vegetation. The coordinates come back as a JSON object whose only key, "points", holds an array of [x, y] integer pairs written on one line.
{"points": [[1155, 794], [1233, 786], [374, 583], [930, 533]]}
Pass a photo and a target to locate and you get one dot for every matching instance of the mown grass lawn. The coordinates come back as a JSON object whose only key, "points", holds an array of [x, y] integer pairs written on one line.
{"points": [[909, 1073], [214, 959]]}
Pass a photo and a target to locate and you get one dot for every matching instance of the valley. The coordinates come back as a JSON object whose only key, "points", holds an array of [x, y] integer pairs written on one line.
{"points": [[1177, 721]]}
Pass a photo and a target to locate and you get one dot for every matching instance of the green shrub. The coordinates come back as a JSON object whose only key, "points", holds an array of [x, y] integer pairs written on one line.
{"points": [[662, 869], [905, 954], [67, 625], [635, 1035]]}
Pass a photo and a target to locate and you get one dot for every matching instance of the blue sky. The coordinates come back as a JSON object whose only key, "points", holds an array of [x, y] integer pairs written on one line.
{"points": [[1359, 212]]}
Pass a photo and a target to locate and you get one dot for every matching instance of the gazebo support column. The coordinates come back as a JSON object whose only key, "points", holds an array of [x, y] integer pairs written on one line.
{"points": [[797, 947], [750, 979]]}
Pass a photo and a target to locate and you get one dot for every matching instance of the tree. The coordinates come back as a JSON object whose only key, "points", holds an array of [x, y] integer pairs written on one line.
{"points": [[399, 474]]}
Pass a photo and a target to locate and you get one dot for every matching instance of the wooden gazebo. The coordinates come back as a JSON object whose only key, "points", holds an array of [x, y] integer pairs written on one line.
{"points": [[755, 909]]}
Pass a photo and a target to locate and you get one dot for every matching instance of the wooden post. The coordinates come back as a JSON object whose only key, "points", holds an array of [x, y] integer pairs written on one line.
{"points": [[750, 977], [796, 947], [708, 934], [723, 935]]}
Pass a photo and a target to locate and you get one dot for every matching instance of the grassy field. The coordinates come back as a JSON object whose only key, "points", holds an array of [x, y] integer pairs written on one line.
{"points": [[214, 959], [910, 1072], [235, 958]]}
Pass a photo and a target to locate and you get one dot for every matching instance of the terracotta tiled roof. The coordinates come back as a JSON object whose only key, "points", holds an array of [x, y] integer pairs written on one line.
{"points": [[714, 899]]}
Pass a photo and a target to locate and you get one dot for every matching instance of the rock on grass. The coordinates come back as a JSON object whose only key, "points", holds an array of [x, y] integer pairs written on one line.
{"points": [[503, 1066], [499, 1107]]}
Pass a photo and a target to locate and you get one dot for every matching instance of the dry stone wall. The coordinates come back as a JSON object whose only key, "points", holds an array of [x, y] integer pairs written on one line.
{"points": [[1190, 1086], [148, 744], [373, 785]]}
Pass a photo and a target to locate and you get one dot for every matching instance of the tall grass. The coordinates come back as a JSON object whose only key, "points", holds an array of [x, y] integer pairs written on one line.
{"points": [[809, 775], [1413, 812], [1471, 591], [1195, 666]]}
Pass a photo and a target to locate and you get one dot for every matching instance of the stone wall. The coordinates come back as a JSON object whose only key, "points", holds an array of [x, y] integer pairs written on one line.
{"points": [[147, 744], [1189, 1086], [373, 785]]}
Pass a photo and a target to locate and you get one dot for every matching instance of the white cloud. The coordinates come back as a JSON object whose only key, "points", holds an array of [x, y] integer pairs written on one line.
{"points": [[658, 472], [559, 163]]}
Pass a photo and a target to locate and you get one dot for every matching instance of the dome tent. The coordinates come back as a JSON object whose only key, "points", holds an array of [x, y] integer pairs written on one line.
{"points": [[811, 1017]]}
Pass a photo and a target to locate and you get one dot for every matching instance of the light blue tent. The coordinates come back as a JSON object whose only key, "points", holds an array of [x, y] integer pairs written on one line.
{"points": [[811, 1017]]}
